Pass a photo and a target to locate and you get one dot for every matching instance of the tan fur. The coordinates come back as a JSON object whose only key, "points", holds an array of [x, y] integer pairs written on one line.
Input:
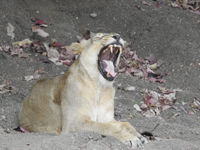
{"points": [[81, 99]]}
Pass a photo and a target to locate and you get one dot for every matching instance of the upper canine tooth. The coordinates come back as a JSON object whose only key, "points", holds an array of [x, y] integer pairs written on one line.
{"points": [[120, 49], [111, 48]]}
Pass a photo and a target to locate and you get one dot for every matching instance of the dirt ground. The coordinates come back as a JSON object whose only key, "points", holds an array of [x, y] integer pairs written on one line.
{"points": [[170, 34]]}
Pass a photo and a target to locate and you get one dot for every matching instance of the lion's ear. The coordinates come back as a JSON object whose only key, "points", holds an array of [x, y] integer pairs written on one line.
{"points": [[83, 43], [76, 48], [86, 35]]}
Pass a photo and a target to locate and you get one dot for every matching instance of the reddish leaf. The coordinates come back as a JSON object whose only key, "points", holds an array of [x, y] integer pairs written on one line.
{"points": [[157, 80], [39, 22], [23, 130], [158, 5], [67, 62]]}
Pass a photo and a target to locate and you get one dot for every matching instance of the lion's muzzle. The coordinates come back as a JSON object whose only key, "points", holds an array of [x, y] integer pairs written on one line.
{"points": [[107, 60]]}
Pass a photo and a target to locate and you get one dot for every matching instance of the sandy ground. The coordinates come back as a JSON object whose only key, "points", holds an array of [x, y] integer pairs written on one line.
{"points": [[171, 34]]}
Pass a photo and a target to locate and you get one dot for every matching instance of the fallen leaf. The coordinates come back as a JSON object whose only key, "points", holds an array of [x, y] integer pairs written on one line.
{"points": [[38, 47], [191, 113], [139, 7], [10, 31], [153, 66], [195, 104], [69, 54], [151, 98], [67, 62], [165, 107], [29, 77], [122, 70], [146, 3], [22, 43], [137, 107], [36, 75], [164, 90], [130, 88], [149, 113], [23, 130], [40, 32], [158, 5], [56, 44], [139, 74], [55, 61], [174, 4], [5, 48], [53, 54], [39, 22], [143, 106], [195, 12], [151, 59], [157, 80]]}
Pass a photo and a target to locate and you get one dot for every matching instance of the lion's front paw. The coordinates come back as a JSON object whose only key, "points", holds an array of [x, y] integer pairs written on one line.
{"points": [[142, 138], [136, 142], [129, 136]]}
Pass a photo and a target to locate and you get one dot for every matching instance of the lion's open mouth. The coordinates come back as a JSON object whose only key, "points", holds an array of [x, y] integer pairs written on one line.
{"points": [[107, 60]]}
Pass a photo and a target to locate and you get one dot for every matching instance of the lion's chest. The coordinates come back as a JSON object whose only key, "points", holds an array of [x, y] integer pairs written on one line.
{"points": [[101, 114], [102, 110]]}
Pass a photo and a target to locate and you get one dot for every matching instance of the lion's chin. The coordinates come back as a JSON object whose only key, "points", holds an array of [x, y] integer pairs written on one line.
{"points": [[107, 59]]}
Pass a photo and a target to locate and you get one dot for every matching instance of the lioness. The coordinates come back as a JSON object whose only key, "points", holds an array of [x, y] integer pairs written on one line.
{"points": [[82, 98]]}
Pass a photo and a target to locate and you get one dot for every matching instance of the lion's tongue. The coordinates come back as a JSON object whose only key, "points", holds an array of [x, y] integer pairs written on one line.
{"points": [[109, 67]]}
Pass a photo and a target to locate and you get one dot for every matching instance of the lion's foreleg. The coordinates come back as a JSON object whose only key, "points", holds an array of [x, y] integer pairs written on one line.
{"points": [[123, 131]]}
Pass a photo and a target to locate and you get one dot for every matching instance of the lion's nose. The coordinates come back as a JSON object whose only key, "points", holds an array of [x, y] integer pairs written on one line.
{"points": [[116, 37]]}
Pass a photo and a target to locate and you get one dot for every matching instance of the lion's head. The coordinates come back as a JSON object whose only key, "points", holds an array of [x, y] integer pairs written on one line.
{"points": [[101, 53]]}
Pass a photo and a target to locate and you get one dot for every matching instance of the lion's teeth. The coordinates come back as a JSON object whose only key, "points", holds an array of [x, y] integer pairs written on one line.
{"points": [[111, 48], [108, 74], [120, 49], [105, 50]]}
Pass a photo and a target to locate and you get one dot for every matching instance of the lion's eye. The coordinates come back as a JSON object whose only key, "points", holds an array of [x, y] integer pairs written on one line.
{"points": [[116, 37]]}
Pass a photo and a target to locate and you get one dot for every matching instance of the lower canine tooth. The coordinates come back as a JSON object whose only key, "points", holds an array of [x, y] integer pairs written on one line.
{"points": [[105, 50], [108, 74]]}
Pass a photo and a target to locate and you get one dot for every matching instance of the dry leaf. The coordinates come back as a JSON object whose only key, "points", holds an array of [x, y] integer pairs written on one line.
{"points": [[137, 107], [153, 66], [146, 3], [130, 88], [22, 43], [10, 31], [40, 32], [29, 77], [36, 75]]}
